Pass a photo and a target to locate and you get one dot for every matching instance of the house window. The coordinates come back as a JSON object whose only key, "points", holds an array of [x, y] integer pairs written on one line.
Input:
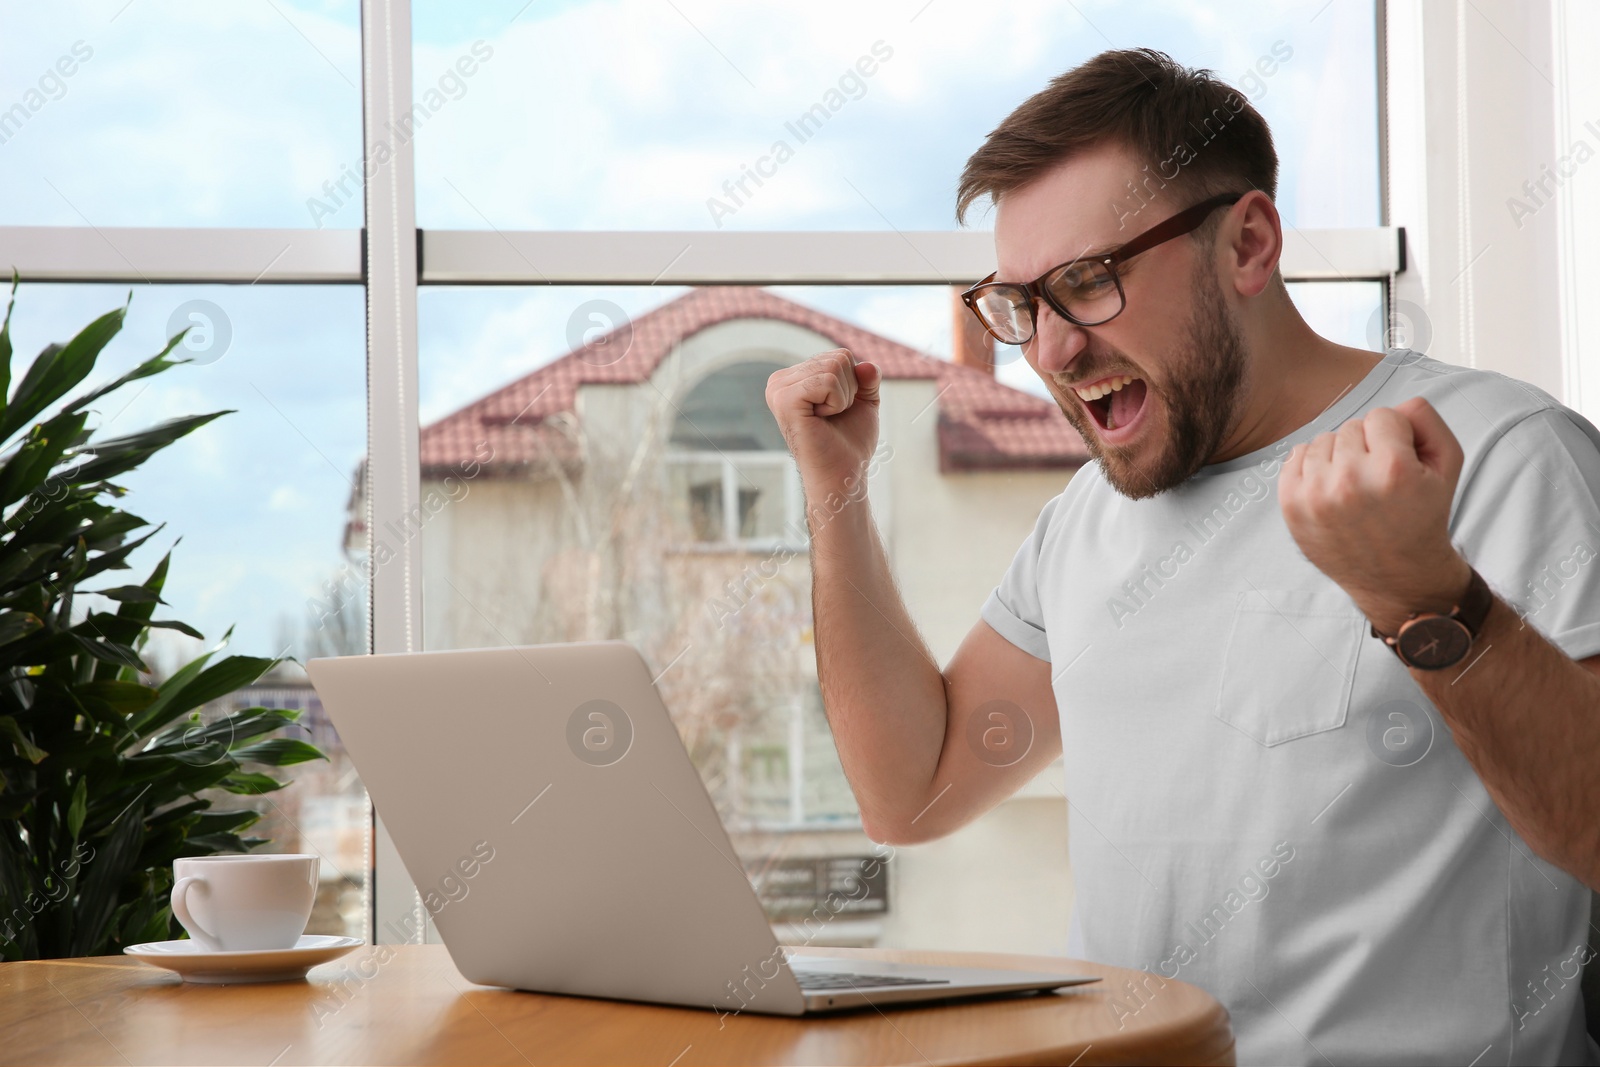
{"points": [[731, 479]]}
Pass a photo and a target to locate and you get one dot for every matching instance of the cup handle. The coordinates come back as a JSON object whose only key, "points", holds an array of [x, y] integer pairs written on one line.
{"points": [[180, 908]]}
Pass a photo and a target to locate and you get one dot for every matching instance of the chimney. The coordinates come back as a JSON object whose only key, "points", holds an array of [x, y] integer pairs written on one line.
{"points": [[970, 343]]}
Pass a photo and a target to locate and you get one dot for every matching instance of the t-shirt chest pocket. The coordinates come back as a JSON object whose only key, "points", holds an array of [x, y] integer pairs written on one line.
{"points": [[1289, 663]]}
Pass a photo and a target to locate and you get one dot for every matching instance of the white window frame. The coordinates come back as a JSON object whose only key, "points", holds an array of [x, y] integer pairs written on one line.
{"points": [[1429, 114], [729, 463]]}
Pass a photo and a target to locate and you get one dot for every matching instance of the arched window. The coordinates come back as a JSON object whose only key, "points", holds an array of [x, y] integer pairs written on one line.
{"points": [[732, 477], [728, 410]]}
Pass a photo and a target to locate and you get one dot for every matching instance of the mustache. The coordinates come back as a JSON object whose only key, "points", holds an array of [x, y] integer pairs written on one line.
{"points": [[1101, 365], [1064, 382]]}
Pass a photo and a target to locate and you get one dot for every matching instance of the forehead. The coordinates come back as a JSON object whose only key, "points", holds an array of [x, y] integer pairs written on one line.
{"points": [[1084, 204]]}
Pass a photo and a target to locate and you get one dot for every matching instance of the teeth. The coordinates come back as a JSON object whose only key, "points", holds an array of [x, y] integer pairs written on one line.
{"points": [[1095, 392]]}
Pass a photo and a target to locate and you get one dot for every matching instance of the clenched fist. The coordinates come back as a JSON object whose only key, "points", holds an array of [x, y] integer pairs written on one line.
{"points": [[1369, 504], [827, 408]]}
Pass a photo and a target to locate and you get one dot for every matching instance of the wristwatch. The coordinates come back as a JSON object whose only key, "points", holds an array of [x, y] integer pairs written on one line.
{"points": [[1430, 641]]}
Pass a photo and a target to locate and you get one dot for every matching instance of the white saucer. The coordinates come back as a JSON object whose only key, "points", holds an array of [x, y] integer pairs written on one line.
{"points": [[195, 964]]}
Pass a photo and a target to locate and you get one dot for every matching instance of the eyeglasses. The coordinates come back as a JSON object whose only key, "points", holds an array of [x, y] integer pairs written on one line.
{"points": [[1084, 291]]}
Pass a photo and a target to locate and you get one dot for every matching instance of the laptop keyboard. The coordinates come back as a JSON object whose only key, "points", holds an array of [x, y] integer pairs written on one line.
{"points": [[812, 981]]}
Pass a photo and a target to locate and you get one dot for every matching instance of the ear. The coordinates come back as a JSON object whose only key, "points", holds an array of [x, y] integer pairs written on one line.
{"points": [[1250, 243]]}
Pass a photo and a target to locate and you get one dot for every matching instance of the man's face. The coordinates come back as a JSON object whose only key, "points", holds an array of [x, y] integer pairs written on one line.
{"points": [[1176, 338]]}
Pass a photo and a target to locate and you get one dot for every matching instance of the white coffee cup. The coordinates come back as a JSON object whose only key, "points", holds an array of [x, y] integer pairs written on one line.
{"points": [[240, 903]]}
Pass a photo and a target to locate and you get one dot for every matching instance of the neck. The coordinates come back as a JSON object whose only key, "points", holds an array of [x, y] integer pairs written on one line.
{"points": [[1292, 376]]}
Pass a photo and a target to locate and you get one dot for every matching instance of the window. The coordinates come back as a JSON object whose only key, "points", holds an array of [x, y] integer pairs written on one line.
{"points": [[253, 512], [636, 490], [181, 115], [732, 481]]}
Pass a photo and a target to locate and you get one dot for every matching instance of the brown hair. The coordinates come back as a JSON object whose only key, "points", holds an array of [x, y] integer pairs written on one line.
{"points": [[1187, 126]]}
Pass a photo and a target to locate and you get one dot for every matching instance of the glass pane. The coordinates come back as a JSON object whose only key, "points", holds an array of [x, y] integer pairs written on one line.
{"points": [[709, 114], [254, 513], [695, 496], [727, 410], [763, 499], [119, 113], [559, 535], [1351, 313]]}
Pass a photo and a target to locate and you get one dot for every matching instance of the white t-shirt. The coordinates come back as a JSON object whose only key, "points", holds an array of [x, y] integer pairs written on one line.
{"points": [[1262, 802]]}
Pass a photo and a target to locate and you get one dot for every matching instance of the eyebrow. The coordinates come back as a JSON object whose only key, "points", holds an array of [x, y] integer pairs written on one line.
{"points": [[1088, 253]]}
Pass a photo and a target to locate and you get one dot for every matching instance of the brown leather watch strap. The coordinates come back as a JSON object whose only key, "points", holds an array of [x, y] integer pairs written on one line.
{"points": [[1471, 611], [1474, 607]]}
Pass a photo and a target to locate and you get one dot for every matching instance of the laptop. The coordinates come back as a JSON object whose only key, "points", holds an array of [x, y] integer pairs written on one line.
{"points": [[548, 812]]}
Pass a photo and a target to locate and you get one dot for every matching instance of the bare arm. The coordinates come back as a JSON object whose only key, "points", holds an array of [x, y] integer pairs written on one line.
{"points": [[1528, 719], [905, 730]]}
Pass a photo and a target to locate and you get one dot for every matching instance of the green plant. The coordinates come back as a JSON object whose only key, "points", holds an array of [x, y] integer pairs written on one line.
{"points": [[100, 765]]}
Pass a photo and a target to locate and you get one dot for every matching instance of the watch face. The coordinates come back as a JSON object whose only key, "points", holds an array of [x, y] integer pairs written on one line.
{"points": [[1434, 642]]}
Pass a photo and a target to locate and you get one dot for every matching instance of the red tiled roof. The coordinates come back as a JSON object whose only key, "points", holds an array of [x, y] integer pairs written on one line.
{"points": [[983, 425]]}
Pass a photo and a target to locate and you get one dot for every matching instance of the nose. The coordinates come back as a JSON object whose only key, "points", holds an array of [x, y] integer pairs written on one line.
{"points": [[1056, 342]]}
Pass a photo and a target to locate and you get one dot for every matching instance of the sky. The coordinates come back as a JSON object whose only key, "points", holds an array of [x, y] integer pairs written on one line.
{"points": [[618, 114]]}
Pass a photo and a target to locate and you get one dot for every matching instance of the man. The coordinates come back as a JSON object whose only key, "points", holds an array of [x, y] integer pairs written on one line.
{"points": [[1364, 860]]}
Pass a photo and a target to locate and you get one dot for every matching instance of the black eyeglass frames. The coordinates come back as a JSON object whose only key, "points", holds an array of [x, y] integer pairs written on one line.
{"points": [[1085, 291]]}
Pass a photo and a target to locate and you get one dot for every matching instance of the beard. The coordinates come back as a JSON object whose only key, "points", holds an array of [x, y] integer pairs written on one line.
{"points": [[1200, 395]]}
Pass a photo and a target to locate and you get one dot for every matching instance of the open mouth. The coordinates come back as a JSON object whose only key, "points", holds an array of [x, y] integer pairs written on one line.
{"points": [[1114, 403]]}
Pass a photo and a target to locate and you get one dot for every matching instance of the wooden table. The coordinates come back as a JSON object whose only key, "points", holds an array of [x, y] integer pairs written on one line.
{"points": [[414, 1007]]}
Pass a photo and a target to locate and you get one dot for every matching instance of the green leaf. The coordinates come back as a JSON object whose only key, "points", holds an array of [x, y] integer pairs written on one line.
{"points": [[114, 857], [122, 454], [25, 748], [109, 652], [278, 752], [115, 559], [251, 784], [108, 531], [29, 467], [123, 698], [57, 369], [187, 813], [106, 626], [154, 365], [74, 570], [232, 729], [5, 342], [183, 692], [174, 624], [149, 920], [155, 716], [16, 883], [15, 625], [170, 778], [128, 627], [202, 754], [226, 822], [78, 807], [128, 594], [209, 844], [17, 560]]}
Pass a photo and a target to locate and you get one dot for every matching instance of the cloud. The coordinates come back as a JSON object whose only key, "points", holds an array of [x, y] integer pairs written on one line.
{"points": [[188, 114]]}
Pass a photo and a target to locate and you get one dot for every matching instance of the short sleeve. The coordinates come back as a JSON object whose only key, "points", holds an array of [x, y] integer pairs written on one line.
{"points": [[1014, 608], [1529, 521]]}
